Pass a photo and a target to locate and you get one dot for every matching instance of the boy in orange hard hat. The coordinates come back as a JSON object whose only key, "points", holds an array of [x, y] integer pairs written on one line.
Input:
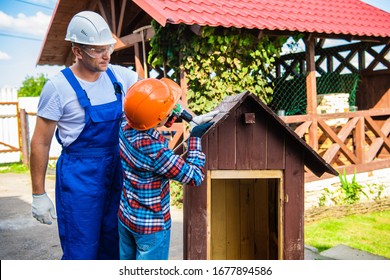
{"points": [[148, 165]]}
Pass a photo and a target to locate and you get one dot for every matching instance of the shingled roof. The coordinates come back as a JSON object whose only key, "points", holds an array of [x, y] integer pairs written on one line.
{"points": [[347, 17], [312, 159]]}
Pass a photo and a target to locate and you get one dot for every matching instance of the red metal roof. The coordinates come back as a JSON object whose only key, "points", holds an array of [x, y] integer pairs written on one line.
{"points": [[348, 17]]}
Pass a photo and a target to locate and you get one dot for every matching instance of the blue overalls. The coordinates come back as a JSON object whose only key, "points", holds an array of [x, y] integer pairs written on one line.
{"points": [[89, 181]]}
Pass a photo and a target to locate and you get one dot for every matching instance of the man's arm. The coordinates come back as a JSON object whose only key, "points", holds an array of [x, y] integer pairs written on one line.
{"points": [[40, 146]]}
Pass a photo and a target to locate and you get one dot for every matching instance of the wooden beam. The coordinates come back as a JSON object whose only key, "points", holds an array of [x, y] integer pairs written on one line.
{"points": [[208, 213], [197, 29], [92, 5], [246, 174], [121, 16], [350, 156], [178, 128], [24, 136], [351, 169], [302, 128], [344, 62], [69, 58], [359, 137], [311, 86], [361, 113], [313, 133], [132, 39], [139, 68], [378, 57], [102, 11], [381, 133], [342, 135], [113, 17]]}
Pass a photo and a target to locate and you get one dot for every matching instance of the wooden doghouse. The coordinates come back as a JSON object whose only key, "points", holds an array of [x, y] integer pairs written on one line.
{"points": [[251, 203]]}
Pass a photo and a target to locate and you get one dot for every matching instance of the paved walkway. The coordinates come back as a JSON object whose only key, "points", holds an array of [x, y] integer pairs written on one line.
{"points": [[24, 238]]}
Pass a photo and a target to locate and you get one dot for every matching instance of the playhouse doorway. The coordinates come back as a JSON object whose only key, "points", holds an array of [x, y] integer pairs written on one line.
{"points": [[245, 215]]}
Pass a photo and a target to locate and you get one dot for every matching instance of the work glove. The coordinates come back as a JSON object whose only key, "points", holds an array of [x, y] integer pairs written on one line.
{"points": [[42, 208], [203, 119], [199, 130]]}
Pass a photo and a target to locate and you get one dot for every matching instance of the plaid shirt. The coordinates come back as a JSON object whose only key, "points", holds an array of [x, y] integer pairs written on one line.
{"points": [[148, 165]]}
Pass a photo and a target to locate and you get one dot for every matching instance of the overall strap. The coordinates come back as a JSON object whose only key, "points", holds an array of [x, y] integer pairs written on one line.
{"points": [[117, 85], [81, 94]]}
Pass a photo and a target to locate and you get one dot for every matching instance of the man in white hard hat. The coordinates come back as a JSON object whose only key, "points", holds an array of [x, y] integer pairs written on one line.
{"points": [[83, 106]]}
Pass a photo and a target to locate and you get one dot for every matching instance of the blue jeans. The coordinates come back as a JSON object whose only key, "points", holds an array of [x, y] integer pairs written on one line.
{"points": [[135, 246]]}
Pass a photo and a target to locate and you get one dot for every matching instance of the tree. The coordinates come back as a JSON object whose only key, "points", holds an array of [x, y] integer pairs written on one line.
{"points": [[32, 86]]}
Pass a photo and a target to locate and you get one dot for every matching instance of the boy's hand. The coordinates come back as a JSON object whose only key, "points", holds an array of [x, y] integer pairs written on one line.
{"points": [[199, 130], [203, 119]]}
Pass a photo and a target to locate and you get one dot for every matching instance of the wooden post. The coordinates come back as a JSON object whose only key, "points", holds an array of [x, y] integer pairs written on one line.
{"points": [[24, 136], [311, 86], [138, 62], [184, 88], [311, 91], [359, 140]]}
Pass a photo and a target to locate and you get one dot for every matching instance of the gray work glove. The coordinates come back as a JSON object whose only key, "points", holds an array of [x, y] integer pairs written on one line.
{"points": [[198, 120], [42, 208]]}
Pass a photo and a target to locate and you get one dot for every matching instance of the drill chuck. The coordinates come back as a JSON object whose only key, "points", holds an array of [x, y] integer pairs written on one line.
{"points": [[182, 114]]}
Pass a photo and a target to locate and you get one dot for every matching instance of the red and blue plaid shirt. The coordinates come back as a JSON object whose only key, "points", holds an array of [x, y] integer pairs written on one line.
{"points": [[148, 165]]}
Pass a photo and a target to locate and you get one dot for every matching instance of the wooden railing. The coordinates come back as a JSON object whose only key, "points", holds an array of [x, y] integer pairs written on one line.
{"points": [[354, 141]]}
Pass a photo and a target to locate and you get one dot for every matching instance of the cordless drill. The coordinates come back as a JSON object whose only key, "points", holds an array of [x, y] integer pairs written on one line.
{"points": [[182, 114]]}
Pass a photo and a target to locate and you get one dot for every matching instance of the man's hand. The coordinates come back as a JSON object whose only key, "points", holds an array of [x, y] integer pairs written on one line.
{"points": [[199, 130], [202, 119], [42, 208]]}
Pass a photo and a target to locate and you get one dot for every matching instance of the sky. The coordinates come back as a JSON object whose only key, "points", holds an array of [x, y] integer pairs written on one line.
{"points": [[23, 26]]}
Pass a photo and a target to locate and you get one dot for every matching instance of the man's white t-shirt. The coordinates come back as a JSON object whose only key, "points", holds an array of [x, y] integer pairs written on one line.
{"points": [[58, 101]]}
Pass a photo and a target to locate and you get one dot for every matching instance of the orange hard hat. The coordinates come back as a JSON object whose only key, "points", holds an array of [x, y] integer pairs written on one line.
{"points": [[150, 101]]}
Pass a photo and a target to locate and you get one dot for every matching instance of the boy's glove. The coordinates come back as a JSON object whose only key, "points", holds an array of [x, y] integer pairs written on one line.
{"points": [[199, 130], [42, 208], [203, 119]]}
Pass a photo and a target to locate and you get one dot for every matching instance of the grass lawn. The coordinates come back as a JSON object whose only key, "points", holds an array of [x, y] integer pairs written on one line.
{"points": [[13, 168], [367, 232]]}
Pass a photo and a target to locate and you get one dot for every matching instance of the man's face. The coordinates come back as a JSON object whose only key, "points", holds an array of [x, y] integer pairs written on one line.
{"points": [[96, 58]]}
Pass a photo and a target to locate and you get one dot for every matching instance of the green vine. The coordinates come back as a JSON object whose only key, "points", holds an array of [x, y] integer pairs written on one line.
{"points": [[219, 62]]}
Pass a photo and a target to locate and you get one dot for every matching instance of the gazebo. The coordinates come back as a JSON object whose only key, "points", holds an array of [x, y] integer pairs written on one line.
{"points": [[360, 143]]}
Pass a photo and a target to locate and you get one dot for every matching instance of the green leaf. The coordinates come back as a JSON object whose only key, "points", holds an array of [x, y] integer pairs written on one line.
{"points": [[32, 86], [220, 62]]}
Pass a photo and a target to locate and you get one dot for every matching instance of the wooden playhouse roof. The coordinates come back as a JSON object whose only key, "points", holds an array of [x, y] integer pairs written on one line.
{"points": [[311, 158]]}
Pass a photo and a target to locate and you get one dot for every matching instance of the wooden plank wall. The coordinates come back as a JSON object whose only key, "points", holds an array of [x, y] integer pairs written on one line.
{"points": [[374, 91], [239, 219], [294, 195], [241, 146], [236, 145]]}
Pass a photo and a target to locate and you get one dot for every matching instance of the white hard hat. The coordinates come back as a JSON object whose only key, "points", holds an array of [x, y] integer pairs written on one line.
{"points": [[89, 28]]}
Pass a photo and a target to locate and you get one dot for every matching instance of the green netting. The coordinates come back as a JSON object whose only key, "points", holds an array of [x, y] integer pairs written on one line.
{"points": [[290, 94]]}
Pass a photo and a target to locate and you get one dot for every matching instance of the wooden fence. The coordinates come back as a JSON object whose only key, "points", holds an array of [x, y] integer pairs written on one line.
{"points": [[10, 132], [355, 141], [17, 123]]}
